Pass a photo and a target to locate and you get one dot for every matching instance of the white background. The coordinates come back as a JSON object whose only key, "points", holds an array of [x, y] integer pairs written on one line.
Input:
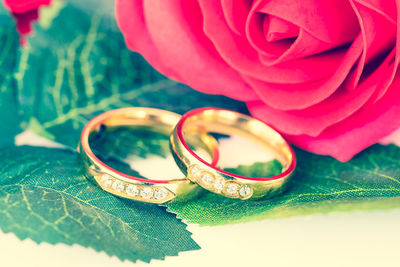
{"points": [[352, 239]]}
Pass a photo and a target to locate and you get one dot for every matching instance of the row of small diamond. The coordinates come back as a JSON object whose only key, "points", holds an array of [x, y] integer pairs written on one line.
{"points": [[133, 190], [219, 184]]}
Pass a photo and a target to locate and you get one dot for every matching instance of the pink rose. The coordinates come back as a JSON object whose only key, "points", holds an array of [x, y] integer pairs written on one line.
{"points": [[25, 12], [323, 73]]}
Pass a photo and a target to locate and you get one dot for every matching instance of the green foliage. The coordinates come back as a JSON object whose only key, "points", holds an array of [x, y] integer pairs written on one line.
{"points": [[320, 185], [9, 114], [124, 142], [77, 66], [85, 69], [258, 169], [70, 71], [44, 196], [117, 148]]}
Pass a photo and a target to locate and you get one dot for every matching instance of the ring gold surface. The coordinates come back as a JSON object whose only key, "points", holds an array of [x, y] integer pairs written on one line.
{"points": [[127, 186], [217, 180]]}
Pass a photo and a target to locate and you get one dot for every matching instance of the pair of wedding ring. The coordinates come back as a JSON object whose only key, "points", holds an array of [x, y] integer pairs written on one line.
{"points": [[194, 125]]}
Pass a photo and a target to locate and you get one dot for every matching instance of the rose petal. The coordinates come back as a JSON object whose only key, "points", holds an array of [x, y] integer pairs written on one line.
{"points": [[359, 131], [313, 120], [298, 56], [24, 21], [238, 53], [393, 138], [256, 37], [235, 13], [304, 95], [378, 35], [331, 21], [386, 77], [277, 29], [385, 8], [305, 44], [394, 56], [22, 6], [176, 27], [130, 19]]}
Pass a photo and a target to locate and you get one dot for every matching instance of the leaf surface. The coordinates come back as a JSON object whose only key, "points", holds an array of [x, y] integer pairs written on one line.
{"points": [[68, 76], [320, 185], [85, 69], [44, 196], [10, 119]]}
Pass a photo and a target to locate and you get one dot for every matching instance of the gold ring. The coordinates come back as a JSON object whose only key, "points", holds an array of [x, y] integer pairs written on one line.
{"points": [[127, 186], [217, 180]]}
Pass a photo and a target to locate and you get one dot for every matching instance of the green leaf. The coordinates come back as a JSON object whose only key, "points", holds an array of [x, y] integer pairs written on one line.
{"points": [[48, 13], [75, 69], [124, 142], [120, 147], [43, 196], [9, 115], [79, 68], [258, 169], [321, 185]]}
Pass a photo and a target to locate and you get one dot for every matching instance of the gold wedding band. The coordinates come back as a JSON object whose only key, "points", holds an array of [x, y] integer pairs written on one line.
{"points": [[127, 186], [217, 180]]}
